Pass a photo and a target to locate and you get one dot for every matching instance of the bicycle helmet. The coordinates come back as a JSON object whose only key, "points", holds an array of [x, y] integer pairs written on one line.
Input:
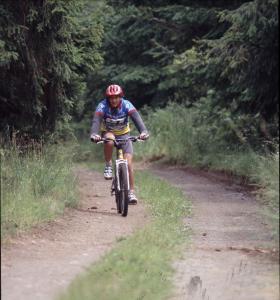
{"points": [[114, 90]]}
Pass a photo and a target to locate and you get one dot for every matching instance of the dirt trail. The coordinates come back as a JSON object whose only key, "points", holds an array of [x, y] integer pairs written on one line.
{"points": [[40, 264], [232, 256]]}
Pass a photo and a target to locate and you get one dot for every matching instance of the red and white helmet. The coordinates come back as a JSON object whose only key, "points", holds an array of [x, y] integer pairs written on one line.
{"points": [[114, 90]]}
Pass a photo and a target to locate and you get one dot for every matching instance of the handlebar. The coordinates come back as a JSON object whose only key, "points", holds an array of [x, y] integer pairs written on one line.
{"points": [[118, 142]]}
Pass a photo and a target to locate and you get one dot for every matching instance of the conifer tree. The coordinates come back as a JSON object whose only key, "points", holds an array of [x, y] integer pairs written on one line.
{"points": [[47, 48]]}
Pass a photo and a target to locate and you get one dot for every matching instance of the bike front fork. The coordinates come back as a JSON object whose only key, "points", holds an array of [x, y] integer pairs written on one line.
{"points": [[113, 186]]}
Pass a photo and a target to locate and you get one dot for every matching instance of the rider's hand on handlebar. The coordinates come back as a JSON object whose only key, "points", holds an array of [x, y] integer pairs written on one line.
{"points": [[95, 138], [144, 136]]}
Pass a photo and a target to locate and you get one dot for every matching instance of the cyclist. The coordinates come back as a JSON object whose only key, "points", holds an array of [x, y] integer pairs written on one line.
{"points": [[111, 118]]}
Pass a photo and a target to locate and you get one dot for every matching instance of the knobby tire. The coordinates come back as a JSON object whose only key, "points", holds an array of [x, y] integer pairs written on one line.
{"points": [[117, 196], [123, 201]]}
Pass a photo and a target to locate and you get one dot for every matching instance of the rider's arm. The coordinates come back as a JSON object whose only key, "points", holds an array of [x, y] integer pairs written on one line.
{"points": [[137, 120], [96, 122], [97, 119]]}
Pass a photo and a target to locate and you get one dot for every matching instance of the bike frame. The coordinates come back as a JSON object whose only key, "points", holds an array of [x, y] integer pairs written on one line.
{"points": [[120, 160], [120, 187]]}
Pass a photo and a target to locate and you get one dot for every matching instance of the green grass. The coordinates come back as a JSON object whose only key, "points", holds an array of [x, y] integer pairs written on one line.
{"points": [[267, 174], [36, 185], [140, 266], [85, 151]]}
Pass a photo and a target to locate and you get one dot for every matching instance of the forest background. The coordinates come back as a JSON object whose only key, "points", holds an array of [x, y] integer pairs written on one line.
{"points": [[204, 75]]}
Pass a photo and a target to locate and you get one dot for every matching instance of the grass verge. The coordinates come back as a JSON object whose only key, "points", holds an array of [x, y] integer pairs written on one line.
{"points": [[140, 266], [36, 185]]}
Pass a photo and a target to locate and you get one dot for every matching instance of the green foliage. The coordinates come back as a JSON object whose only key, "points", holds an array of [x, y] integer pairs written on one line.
{"points": [[140, 266], [141, 40], [86, 151], [239, 69], [46, 50], [37, 183], [185, 135], [219, 56]]}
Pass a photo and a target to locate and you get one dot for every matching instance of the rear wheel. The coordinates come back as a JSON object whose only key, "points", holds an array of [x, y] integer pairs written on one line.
{"points": [[123, 194]]}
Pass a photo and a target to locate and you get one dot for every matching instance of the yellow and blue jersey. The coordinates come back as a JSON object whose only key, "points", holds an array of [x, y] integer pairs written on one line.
{"points": [[115, 119]]}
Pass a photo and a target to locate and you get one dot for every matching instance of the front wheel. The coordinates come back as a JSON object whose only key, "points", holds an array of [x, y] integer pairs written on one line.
{"points": [[124, 186], [117, 196]]}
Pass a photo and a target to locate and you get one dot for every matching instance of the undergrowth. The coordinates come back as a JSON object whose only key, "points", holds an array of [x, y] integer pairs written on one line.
{"points": [[37, 183]]}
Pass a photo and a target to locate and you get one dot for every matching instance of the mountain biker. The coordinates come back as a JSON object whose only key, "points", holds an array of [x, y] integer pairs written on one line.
{"points": [[111, 118]]}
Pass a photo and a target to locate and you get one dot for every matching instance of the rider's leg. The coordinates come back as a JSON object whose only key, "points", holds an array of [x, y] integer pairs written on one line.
{"points": [[108, 148], [108, 152], [129, 156], [131, 195]]}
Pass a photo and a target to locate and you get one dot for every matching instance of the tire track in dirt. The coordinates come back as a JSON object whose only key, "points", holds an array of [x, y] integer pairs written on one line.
{"points": [[233, 255], [41, 263]]}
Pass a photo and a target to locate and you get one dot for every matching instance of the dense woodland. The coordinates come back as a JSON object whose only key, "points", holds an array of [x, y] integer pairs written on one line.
{"points": [[217, 56]]}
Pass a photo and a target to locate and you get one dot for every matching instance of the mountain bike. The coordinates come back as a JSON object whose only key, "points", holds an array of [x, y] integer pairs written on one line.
{"points": [[120, 183]]}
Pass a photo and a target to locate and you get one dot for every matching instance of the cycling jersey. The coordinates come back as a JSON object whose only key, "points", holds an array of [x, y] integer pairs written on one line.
{"points": [[116, 120]]}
